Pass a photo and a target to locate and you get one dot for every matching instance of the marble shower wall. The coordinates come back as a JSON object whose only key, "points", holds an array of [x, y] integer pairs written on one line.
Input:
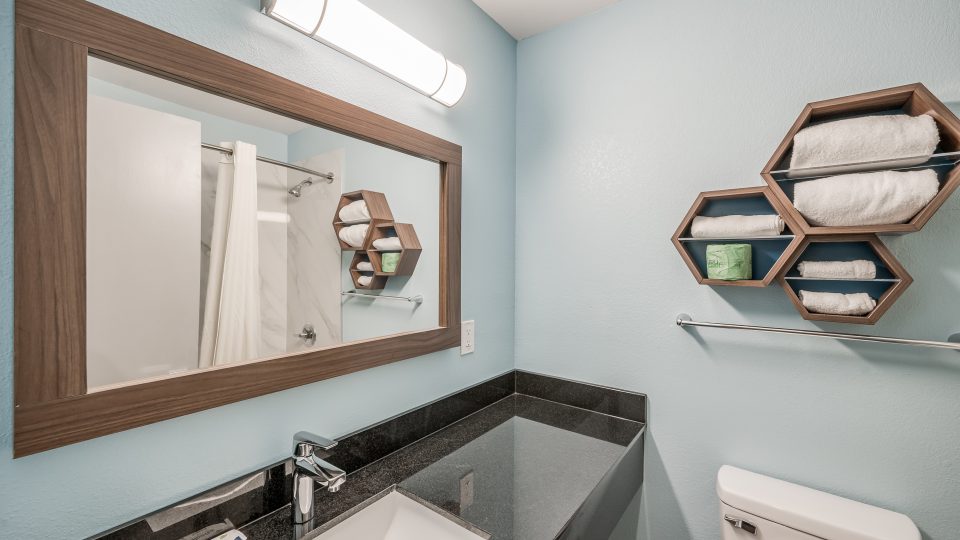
{"points": [[313, 269], [272, 220]]}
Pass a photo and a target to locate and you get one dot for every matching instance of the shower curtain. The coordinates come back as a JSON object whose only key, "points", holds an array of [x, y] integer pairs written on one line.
{"points": [[231, 316]]}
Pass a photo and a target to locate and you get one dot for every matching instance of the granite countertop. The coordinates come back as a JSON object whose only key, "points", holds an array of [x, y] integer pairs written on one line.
{"points": [[519, 469], [519, 456]]}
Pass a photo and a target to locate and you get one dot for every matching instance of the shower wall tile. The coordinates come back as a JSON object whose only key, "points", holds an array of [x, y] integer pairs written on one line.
{"points": [[272, 206], [313, 270]]}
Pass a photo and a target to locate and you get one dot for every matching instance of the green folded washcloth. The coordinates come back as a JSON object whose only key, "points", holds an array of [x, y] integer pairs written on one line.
{"points": [[389, 261], [729, 262]]}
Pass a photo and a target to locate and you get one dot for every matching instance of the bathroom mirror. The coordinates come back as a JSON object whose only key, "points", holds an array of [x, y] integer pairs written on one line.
{"points": [[197, 257], [191, 231]]}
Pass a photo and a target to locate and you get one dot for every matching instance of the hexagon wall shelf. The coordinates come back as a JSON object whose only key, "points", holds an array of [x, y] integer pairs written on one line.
{"points": [[409, 251], [379, 213], [376, 283], [891, 281], [381, 225], [912, 99], [777, 257], [769, 253]]}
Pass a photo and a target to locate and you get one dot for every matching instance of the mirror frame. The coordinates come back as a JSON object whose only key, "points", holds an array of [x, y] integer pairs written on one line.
{"points": [[52, 408]]}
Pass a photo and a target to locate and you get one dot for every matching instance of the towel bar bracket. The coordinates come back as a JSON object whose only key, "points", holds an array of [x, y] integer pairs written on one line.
{"points": [[953, 342]]}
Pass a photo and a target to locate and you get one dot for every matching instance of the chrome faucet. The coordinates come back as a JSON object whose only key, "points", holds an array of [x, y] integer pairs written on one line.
{"points": [[308, 470]]}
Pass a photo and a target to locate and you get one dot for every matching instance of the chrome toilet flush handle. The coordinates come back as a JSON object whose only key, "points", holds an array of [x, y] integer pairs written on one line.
{"points": [[740, 524]]}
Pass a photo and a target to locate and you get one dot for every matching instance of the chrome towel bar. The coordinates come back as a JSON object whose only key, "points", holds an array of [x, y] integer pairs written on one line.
{"points": [[418, 299], [684, 320]]}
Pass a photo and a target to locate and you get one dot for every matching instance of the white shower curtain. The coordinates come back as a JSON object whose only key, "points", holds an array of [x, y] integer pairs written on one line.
{"points": [[231, 315]]}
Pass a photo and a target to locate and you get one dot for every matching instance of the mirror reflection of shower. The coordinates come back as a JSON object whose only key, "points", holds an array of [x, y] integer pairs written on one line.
{"points": [[296, 190]]}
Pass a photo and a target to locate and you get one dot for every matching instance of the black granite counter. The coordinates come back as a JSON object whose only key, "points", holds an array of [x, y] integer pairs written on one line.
{"points": [[503, 458]]}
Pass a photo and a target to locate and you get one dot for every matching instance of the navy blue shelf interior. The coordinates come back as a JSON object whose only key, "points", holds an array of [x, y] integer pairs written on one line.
{"points": [[842, 251], [765, 252]]}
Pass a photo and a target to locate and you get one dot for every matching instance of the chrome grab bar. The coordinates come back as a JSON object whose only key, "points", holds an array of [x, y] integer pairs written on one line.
{"points": [[418, 299], [684, 320]]}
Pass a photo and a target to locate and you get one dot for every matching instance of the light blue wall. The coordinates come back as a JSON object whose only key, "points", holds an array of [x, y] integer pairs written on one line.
{"points": [[97, 484], [623, 117]]}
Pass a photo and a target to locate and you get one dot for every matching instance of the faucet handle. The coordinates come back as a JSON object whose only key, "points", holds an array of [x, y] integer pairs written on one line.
{"points": [[305, 443]]}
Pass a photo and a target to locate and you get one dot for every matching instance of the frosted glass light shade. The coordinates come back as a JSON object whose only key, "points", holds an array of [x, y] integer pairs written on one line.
{"points": [[354, 29], [304, 15], [453, 85]]}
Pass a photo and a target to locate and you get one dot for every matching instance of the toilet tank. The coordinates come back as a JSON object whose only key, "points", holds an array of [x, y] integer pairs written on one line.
{"points": [[757, 507]]}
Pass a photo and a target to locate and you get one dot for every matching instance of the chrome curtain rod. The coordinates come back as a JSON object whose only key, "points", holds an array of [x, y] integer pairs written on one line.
{"points": [[228, 151], [684, 320], [418, 299]]}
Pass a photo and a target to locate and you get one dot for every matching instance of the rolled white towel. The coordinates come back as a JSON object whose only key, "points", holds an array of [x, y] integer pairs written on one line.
{"points": [[355, 212], [876, 198], [388, 244], [364, 281], [867, 138], [837, 303], [860, 269], [736, 226], [354, 235], [365, 266]]}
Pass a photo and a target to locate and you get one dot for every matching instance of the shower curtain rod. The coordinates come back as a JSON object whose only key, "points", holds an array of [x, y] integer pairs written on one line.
{"points": [[328, 176]]}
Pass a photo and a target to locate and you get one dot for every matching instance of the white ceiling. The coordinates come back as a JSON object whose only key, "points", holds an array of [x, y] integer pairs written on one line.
{"points": [[525, 18]]}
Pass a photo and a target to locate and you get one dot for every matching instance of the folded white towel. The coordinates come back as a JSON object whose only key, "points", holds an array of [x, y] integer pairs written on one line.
{"points": [[837, 303], [354, 234], [867, 138], [364, 281], [355, 212], [860, 269], [365, 266], [876, 198], [736, 226], [388, 244]]}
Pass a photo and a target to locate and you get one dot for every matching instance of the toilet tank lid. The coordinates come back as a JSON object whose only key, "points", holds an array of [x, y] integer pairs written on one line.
{"points": [[808, 510]]}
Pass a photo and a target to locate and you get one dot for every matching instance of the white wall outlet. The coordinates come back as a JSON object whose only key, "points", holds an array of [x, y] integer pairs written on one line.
{"points": [[468, 337]]}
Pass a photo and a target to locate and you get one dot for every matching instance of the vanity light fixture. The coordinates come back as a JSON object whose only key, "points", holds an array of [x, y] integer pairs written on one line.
{"points": [[357, 31]]}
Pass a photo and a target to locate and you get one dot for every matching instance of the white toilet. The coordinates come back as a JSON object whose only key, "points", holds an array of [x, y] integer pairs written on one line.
{"points": [[757, 507]]}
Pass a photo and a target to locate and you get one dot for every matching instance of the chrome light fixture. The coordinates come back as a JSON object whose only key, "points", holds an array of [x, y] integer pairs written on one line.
{"points": [[357, 31]]}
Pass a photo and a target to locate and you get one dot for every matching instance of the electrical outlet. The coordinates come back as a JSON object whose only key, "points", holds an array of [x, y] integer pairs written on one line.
{"points": [[468, 337]]}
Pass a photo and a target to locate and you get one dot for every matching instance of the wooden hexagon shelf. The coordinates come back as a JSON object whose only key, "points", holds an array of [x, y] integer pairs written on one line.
{"points": [[409, 251], [379, 226], [891, 281], [913, 100], [769, 253], [376, 283], [379, 213]]}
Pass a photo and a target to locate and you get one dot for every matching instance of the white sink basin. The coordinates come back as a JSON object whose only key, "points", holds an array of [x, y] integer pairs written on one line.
{"points": [[398, 517]]}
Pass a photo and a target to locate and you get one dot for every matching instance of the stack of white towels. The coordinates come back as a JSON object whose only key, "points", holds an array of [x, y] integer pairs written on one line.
{"points": [[838, 303], [874, 198], [391, 243], [859, 269], [736, 226], [358, 216]]}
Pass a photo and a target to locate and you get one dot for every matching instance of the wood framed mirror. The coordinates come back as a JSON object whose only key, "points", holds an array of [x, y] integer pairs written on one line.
{"points": [[56, 43]]}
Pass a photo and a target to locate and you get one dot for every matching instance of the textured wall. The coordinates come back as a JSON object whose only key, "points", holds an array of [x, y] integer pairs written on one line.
{"points": [[101, 483], [623, 117]]}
